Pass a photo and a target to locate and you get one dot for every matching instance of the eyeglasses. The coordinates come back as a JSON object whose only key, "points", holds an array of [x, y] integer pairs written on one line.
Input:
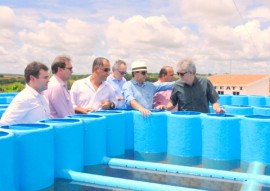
{"points": [[122, 73], [106, 69], [181, 74], [69, 68], [143, 72]]}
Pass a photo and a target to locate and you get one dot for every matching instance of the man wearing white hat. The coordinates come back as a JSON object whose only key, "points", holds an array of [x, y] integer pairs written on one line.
{"points": [[138, 93]]}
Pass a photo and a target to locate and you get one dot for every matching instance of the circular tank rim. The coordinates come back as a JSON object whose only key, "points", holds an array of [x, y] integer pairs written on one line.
{"points": [[26, 127], [60, 120], [185, 113]]}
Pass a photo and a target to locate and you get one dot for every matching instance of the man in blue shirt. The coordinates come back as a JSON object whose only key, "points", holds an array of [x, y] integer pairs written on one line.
{"points": [[117, 80], [138, 93]]}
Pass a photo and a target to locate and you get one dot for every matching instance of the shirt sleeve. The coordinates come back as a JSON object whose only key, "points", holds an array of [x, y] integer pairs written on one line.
{"points": [[74, 94], [60, 100], [162, 86], [174, 97], [212, 95], [128, 92], [112, 95], [15, 113]]}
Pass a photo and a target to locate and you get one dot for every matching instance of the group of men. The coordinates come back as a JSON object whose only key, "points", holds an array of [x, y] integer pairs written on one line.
{"points": [[45, 97]]}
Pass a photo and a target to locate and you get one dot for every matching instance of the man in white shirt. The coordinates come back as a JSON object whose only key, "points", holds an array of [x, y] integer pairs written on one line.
{"points": [[117, 80], [94, 93], [30, 105], [57, 92]]}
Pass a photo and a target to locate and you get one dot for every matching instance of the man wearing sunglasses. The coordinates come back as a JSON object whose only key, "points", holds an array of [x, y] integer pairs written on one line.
{"points": [[139, 93], [57, 92], [117, 80], [191, 92], [94, 93]]}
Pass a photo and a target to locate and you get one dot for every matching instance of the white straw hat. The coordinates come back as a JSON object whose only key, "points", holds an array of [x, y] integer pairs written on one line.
{"points": [[138, 66]]}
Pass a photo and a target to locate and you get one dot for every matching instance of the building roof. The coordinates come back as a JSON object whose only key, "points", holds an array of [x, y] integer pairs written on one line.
{"points": [[236, 79]]}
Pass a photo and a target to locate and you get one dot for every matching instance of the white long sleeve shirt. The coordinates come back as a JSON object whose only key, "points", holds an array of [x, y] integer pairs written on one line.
{"points": [[28, 106]]}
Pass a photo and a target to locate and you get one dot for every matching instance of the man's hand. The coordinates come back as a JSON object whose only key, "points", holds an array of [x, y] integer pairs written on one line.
{"points": [[217, 108], [106, 105], [145, 112], [220, 110], [161, 107], [120, 98], [84, 110]]}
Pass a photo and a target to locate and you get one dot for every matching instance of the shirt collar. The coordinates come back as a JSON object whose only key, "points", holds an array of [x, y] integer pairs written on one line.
{"points": [[34, 92], [61, 82], [136, 83]]}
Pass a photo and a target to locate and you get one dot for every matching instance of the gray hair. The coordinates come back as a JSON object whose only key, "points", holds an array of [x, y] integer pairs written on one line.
{"points": [[117, 64], [187, 65]]}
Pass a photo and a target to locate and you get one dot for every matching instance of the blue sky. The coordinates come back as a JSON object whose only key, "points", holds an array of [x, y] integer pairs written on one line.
{"points": [[222, 36]]}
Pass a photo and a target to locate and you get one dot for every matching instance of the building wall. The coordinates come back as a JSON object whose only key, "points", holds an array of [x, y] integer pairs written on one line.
{"points": [[259, 88], [231, 89]]}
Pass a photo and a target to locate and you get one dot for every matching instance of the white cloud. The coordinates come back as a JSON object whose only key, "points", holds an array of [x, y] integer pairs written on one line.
{"points": [[7, 18], [151, 38], [214, 34]]}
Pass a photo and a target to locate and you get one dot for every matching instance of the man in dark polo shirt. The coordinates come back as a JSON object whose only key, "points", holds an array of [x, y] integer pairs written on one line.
{"points": [[191, 92]]}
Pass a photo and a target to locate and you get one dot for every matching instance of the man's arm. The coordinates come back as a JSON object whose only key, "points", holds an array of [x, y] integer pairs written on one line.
{"points": [[217, 108], [168, 107], [60, 99], [145, 112], [162, 86], [81, 110], [130, 99]]}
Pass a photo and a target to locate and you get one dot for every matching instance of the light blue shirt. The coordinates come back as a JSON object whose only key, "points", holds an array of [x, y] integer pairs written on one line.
{"points": [[144, 93], [117, 86]]}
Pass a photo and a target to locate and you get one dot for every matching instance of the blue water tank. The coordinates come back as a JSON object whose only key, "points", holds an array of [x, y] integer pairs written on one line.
{"points": [[150, 135], [239, 100], [94, 138], [129, 128], [184, 138], [7, 160], [262, 110], [256, 100], [238, 109], [267, 100], [220, 141], [115, 129], [255, 133], [225, 99], [34, 165], [68, 145]]}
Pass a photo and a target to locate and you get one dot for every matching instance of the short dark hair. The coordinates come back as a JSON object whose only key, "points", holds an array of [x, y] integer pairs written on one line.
{"points": [[33, 69], [163, 71], [59, 61], [98, 62]]}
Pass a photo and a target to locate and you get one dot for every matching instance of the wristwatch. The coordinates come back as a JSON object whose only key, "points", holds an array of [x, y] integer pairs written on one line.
{"points": [[112, 105]]}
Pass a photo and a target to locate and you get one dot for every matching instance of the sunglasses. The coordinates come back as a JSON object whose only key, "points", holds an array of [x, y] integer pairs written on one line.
{"points": [[143, 73], [106, 69], [181, 74], [69, 68], [122, 73]]}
